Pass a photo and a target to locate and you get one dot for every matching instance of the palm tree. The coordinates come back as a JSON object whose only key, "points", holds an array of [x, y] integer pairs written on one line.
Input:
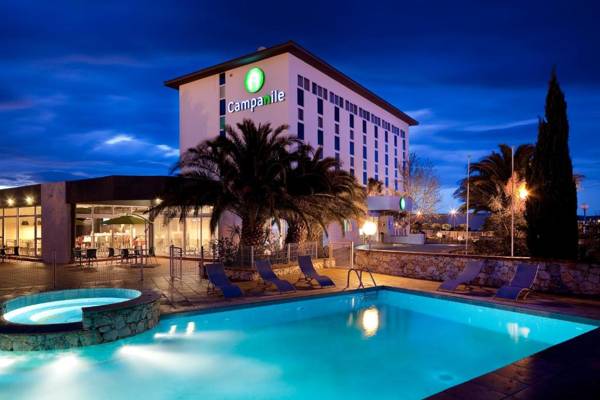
{"points": [[243, 172], [322, 191], [490, 175]]}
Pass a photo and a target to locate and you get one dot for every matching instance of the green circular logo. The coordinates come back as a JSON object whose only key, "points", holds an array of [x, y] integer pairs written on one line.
{"points": [[255, 78], [402, 204]]}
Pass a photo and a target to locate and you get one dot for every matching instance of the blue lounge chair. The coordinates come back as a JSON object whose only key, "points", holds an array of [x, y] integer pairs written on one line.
{"points": [[309, 272], [268, 276], [217, 279], [470, 272], [521, 283]]}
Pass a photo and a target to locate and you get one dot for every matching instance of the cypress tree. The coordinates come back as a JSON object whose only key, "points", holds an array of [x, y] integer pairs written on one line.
{"points": [[551, 209]]}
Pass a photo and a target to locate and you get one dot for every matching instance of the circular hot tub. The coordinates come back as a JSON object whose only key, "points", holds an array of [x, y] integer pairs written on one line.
{"points": [[74, 318], [62, 307]]}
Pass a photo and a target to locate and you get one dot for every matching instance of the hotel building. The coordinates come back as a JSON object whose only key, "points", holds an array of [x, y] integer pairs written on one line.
{"points": [[284, 84]]}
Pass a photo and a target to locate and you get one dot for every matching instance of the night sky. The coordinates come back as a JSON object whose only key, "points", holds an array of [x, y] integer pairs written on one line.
{"points": [[82, 95]]}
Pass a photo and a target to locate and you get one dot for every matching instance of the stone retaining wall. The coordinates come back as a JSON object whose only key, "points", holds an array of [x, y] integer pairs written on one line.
{"points": [[560, 277], [100, 324], [279, 269]]}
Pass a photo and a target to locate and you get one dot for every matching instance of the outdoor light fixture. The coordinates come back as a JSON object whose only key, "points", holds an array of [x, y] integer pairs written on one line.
{"points": [[369, 228], [10, 202], [29, 200], [419, 213], [370, 321], [158, 200], [453, 211], [523, 192]]}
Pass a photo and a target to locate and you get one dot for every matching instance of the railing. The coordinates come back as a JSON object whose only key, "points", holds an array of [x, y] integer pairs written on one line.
{"points": [[286, 254], [175, 262]]}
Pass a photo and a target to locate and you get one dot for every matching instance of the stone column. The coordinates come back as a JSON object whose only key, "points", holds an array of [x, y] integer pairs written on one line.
{"points": [[57, 223]]}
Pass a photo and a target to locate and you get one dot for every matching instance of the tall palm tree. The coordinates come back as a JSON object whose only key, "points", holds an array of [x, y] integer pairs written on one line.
{"points": [[322, 191], [244, 172], [490, 175]]}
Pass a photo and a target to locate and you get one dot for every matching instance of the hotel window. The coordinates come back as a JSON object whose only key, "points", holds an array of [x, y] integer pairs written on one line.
{"points": [[352, 171], [300, 114], [364, 177], [365, 152], [351, 134], [222, 107], [402, 133], [300, 81], [320, 106], [314, 88], [352, 161], [337, 143], [364, 140], [222, 78], [320, 122], [404, 144], [376, 156], [306, 84], [351, 148], [364, 126], [301, 97], [320, 137], [300, 131], [336, 114], [376, 133], [386, 159], [337, 129], [386, 136], [351, 120]]}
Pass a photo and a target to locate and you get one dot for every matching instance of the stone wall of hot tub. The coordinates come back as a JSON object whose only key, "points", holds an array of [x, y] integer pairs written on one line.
{"points": [[100, 325], [560, 277]]}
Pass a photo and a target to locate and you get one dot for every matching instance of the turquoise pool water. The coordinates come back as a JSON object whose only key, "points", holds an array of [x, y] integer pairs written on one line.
{"points": [[57, 312], [62, 306], [384, 345]]}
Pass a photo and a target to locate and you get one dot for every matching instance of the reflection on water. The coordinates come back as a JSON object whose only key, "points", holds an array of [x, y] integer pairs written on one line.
{"points": [[515, 331], [370, 321]]}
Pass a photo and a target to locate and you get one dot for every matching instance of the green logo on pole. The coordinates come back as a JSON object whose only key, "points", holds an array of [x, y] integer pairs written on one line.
{"points": [[255, 78], [402, 204]]}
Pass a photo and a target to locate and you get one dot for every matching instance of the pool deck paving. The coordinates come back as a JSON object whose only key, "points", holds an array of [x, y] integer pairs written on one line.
{"points": [[570, 370]]}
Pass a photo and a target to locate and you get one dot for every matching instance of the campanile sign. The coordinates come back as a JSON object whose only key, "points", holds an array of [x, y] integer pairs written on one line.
{"points": [[254, 81]]}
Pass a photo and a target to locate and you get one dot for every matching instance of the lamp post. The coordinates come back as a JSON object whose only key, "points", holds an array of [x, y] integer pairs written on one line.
{"points": [[467, 210], [453, 217]]}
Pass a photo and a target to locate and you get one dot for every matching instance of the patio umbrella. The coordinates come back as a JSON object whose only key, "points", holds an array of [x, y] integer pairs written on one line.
{"points": [[125, 220]]}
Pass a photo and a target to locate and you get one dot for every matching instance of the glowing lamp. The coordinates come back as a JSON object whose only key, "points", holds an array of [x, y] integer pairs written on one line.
{"points": [[370, 321], [10, 202], [29, 200], [523, 192], [369, 228]]}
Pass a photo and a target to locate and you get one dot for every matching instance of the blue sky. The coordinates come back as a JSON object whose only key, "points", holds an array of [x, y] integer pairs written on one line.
{"points": [[81, 84]]}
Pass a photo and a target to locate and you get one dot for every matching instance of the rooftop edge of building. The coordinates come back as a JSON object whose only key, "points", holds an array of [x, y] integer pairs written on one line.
{"points": [[306, 56]]}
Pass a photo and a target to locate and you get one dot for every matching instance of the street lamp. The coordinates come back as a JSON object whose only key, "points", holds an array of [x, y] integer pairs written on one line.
{"points": [[453, 214], [523, 192]]}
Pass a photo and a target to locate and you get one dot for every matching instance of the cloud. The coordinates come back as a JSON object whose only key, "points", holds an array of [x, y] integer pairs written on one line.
{"points": [[16, 105], [119, 139], [496, 127], [98, 60], [421, 113], [168, 151]]}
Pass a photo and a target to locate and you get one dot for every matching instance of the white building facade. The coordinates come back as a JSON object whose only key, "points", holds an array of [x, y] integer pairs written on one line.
{"points": [[286, 84]]}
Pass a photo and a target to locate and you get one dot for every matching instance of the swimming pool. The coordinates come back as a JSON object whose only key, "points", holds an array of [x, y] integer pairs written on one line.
{"points": [[60, 307], [377, 344]]}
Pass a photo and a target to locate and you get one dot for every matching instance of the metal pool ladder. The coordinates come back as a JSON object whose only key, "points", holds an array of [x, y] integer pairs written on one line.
{"points": [[359, 274]]}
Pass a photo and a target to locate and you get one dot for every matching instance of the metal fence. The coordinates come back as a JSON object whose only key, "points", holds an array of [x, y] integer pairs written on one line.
{"points": [[342, 253], [286, 254]]}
